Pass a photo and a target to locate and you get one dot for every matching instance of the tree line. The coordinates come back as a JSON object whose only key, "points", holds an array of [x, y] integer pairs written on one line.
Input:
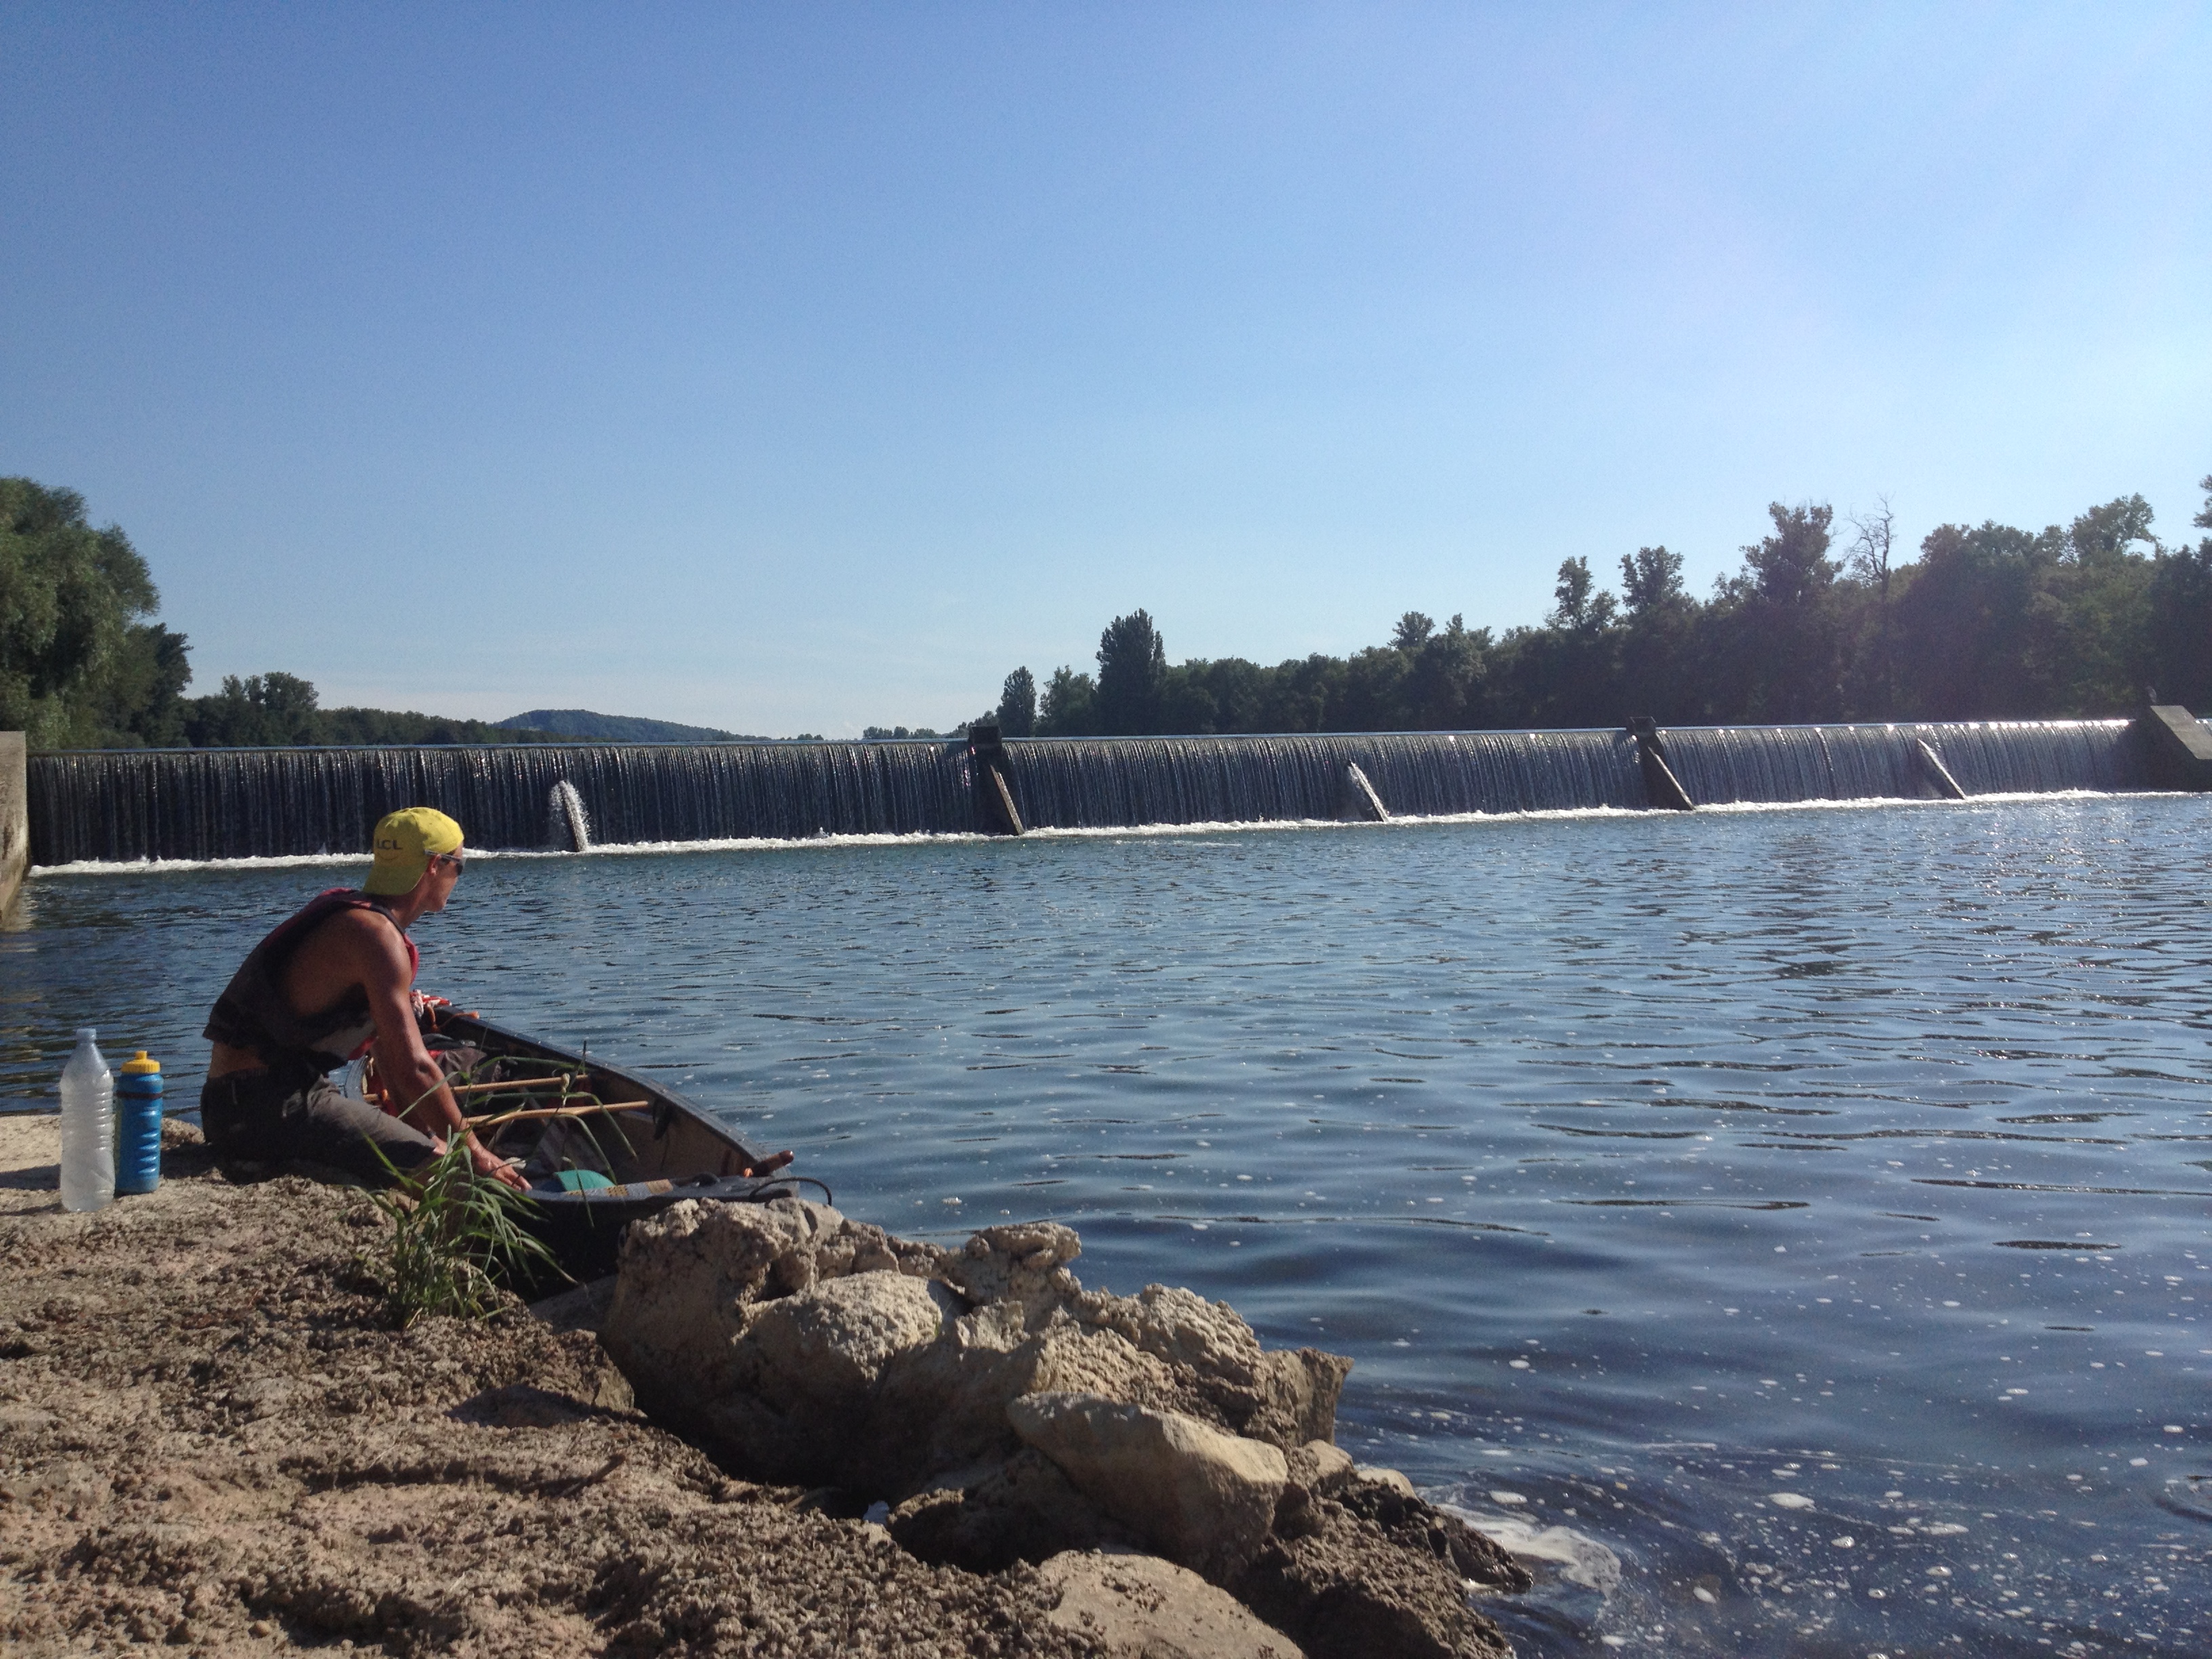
{"points": [[1821, 622]]}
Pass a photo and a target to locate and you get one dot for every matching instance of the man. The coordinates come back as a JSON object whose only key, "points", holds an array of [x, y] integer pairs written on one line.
{"points": [[336, 981]]}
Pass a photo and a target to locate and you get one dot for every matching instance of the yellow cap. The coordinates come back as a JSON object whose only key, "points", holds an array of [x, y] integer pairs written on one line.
{"points": [[406, 842], [140, 1066]]}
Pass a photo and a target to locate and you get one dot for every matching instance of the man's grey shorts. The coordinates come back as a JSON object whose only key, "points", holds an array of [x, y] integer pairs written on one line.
{"points": [[269, 1118]]}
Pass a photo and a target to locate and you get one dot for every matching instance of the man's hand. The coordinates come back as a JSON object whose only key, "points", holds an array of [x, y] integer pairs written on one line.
{"points": [[485, 1163]]}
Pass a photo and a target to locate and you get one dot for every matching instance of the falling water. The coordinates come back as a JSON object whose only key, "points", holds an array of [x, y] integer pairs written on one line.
{"points": [[118, 804], [568, 825]]}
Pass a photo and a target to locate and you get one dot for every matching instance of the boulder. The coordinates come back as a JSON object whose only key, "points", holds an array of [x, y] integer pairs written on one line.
{"points": [[1026, 1510], [1285, 1398], [1204, 1497], [1359, 1565], [762, 1329], [1024, 1262], [1345, 1589], [1138, 1607], [686, 1279], [822, 1349]]}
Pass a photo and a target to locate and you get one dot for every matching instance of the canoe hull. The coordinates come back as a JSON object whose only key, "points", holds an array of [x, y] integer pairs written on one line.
{"points": [[671, 1150]]}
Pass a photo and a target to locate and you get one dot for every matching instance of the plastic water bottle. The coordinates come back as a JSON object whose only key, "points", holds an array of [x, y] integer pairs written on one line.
{"points": [[138, 1126], [88, 1127]]}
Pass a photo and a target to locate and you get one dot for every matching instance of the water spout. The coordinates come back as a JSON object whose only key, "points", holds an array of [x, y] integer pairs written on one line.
{"points": [[567, 826], [1360, 799]]}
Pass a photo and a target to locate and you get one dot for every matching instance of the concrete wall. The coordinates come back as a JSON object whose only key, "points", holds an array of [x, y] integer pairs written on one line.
{"points": [[2180, 748], [14, 817]]}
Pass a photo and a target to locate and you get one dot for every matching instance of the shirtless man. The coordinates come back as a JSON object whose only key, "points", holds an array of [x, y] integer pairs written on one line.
{"points": [[336, 979]]}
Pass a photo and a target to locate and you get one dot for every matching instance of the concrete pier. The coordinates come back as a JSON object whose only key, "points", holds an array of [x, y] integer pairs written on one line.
{"points": [[15, 815], [2180, 749], [1662, 789], [995, 811]]}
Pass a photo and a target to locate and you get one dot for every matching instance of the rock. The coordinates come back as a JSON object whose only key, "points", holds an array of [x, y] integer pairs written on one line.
{"points": [[944, 1407], [1138, 1607], [1182, 1327], [1347, 1590], [1323, 1467], [580, 1308], [686, 1278], [825, 1346], [799, 1401], [1023, 1510], [1317, 1470], [1025, 1262], [1414, 1524], [1283, 1398], [1297, 1395], [1204, 1497], [1388, 1480]]}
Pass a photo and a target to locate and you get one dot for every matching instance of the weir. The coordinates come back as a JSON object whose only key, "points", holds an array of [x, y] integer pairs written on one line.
{"points": [[125, 804]]}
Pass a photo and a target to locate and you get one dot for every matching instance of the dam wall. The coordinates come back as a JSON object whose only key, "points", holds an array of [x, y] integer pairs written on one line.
{"points": [[127, 805]]}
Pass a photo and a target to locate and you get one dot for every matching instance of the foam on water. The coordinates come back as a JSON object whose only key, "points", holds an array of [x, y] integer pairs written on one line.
{"points": [[1108, 832]]}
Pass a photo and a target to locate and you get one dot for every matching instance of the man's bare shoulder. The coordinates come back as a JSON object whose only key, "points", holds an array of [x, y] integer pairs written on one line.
{"points": [[361, 935]]}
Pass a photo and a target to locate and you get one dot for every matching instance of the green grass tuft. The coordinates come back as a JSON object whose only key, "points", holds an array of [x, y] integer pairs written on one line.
{"points": [[456, 1240]]}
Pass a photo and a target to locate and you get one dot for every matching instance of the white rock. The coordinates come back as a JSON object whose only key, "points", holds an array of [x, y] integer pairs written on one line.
{"points": [[1138, 1607], [1390, 1478], [831, 1340], [687, 1276], [1206, 1498], [1331, 1464]]}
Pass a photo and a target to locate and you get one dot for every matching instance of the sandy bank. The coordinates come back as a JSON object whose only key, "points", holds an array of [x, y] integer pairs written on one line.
{"points": [[208, 1439]]}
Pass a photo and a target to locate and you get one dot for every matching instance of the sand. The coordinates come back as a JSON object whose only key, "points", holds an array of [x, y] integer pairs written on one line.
{"points": [[211, 1437]]}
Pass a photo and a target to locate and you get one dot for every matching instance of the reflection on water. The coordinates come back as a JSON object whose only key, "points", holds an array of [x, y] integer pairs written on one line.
{"points": [[1805, 1211]]}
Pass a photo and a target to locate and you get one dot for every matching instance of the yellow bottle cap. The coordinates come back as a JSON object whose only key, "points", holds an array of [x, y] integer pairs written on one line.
{"points": [[140, 1066]]}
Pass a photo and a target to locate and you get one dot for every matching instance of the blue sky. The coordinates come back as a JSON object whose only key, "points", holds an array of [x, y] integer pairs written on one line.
{"points": [[793, 367]]}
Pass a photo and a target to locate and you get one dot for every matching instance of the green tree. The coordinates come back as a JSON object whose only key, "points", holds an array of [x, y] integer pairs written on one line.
{"points": [[1017, 704], [271, 710], [1444, 692], [1068, 709], [1652, 582], [1777, 628], [2178, 645], [1658, 638], [2099, 610], [69, 596], [1133, 672], [1873, 645], [1412, 632], [142, 705], [1581, 606], [1966, 623]]}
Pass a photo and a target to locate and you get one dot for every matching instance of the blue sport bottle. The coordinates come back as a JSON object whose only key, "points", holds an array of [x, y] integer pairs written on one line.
{"points": [[138, 1125]]}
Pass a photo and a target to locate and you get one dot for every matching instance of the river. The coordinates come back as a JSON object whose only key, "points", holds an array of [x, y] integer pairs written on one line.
{"points": [[1801, 1217]]}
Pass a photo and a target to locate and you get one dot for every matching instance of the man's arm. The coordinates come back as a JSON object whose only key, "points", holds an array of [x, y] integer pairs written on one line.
{"points": [[403, 1065]]}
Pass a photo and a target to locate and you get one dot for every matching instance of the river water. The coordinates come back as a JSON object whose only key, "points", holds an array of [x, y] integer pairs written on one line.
{"points": [[1798, 1220]]}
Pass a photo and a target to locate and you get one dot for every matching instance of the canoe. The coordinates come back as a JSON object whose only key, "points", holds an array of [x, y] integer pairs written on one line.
{"points": [[600, 1146]]}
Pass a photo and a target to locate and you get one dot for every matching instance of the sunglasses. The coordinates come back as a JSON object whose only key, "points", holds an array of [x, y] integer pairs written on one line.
{"points": [[453, 859]]}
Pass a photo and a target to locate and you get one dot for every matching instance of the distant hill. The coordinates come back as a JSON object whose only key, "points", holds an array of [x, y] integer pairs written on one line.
{"points": [[616, 728]]}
